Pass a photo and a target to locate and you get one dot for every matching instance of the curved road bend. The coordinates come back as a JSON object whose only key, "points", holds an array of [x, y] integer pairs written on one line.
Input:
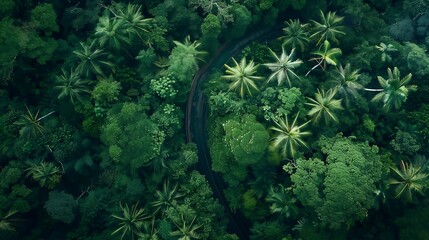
{"points": [[196, 123]]}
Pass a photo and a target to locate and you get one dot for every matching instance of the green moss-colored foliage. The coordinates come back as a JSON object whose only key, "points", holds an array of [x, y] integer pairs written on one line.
{"points": [[169, 119], [165, 86], [277, 102], [132, 138], [247, 139], [106, 91], [60, 206], [343, 186], [43, 18], [417, 59]]}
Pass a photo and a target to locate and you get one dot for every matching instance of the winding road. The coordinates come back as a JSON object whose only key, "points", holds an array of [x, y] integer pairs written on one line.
{"points": [[196, 122]]}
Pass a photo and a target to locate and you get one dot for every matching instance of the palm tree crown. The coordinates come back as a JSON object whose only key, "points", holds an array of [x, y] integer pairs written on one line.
{"points": [[242, 76], [324, 105], [394, 90], [281, 201], [8, 221], [166, 198], [186, 231], [345, 80], [283, 67], [328, 28], [289, 136], [295, 34], [111, 32], [32, 123], [71, 85], [46, 173], [325, 55], [409, 179], [131, 220], [91, 60], [134, 19]]}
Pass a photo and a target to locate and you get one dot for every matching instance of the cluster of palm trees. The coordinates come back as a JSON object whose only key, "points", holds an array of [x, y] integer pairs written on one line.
{"points": [[115, 30], [344, 80], [135, 222]]}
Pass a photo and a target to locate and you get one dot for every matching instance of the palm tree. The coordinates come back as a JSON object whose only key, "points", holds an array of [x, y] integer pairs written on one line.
{"points": [[134, 19], [295, 34], [242, 76], [45, 173], [190, 49], [31, 123], [324, 105], [131, 220], [283, 67], [345, 81], [281, 201], [409, 179], [112, 32], [186, 231], [326, 55], [385, 50], [289, 136], [394, 90], [328, 28], [71, 85], [7, 221], [91, 60], [166, 198], [149, 231]]}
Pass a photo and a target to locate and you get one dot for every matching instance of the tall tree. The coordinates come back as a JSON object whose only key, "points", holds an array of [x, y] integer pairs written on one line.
{"points": [[409, 179], [242, 76], [328, 29], [92, 60], [283, 67], [130, 221], [71, 85], [325, 55], [394, 90], [289, 135], [112, 32], [346, 81], [324, 105], [296, 35]]}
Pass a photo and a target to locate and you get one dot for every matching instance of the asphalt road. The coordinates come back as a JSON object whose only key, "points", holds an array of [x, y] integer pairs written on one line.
{"points": [[196, 122]]}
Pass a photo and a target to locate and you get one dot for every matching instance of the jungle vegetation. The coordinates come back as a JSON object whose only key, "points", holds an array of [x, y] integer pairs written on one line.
{"points": [[320, 132]]}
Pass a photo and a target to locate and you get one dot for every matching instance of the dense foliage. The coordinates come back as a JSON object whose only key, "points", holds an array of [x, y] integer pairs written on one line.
{"points": [[318, 130]]}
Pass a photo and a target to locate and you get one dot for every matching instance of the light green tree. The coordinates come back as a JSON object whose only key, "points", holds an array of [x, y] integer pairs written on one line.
{"points": [[328, 29], [283, 67], [289, 135], [394, 90], [325, 55], [133, 19], [295, 35], [112, 32], [342, 187], [242, 76], [324, 105]]}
